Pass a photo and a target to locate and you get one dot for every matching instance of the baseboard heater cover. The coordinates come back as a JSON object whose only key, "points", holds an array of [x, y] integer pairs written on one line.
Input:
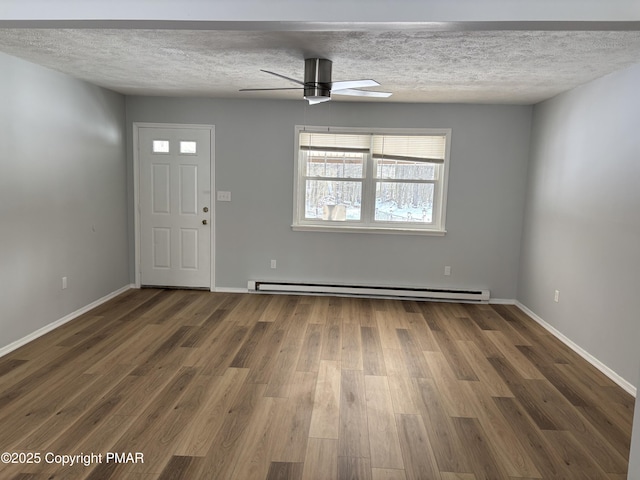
{"points": [[450, 294]]}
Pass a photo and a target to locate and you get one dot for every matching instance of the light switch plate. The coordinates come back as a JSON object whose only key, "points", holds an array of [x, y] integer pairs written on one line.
{"points": [[223, 196]]}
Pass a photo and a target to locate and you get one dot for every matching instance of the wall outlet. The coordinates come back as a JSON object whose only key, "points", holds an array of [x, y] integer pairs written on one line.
{"points": [[64, 283], [447, 270], [273, 264], [556, 296]]}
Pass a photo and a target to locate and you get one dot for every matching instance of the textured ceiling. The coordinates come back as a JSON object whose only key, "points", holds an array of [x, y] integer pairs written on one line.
{"points": [[520, 67]]}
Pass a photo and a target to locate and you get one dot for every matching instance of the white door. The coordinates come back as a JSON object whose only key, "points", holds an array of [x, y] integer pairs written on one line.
{"points": [[175, 206]]}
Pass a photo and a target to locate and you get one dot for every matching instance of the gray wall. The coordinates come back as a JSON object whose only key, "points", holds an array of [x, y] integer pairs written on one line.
{"points": [[582, 219], [62, 176], [254, 160]]}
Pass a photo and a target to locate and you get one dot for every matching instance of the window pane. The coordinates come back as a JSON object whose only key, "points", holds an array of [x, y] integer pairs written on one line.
{"points": [[335, 164], [404, 202], [401, 169], [333, 200], [187, 147], [161, 146]]}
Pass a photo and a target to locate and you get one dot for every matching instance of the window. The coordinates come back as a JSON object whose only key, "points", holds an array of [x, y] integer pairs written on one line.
{"points": [[387, 181], [188, 147], [161, 146]]}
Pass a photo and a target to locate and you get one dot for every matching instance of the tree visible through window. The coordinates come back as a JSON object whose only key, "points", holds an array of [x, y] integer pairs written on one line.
{"points": [[371, 180]]}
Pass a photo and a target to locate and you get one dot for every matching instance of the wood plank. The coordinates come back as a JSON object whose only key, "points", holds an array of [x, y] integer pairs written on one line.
{"points": [[351, 357], [613, 434], [421, 332], [321, 459], [477, 449], [198, 436], [320, 310], [325, 417], [457, 361], [455, 397], [538, 448], [578, 462], [354, 468], [415, 362], [521, 363], [253, 457], [248, 348], [403, 396], [285, 471], [290, 440], [387, 331], [383, 435], [294, 321], [387, 474], [332, 339], [510, 452], [218, 462], [262, 363], [202, 332], [444, 439], [483, 369], [524, 391], [249, 309], [179, 468], [416, 449], [221, 358], [354, 433], [394, 362], [274, 308], [372, 356], [309, 359]]}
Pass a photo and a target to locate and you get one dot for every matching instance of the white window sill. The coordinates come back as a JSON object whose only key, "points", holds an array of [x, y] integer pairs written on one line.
{"points": [[379, 230]]}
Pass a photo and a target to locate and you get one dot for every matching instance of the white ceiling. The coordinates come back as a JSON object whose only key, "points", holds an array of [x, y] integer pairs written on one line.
{"points": [[417, 64]]}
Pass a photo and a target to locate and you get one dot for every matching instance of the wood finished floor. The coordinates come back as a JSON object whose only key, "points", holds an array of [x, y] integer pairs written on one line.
{"points": [[240, 386]]}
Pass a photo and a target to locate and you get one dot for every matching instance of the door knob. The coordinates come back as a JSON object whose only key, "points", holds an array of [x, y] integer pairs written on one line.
{"points": [[204, 222], [205, 209]]}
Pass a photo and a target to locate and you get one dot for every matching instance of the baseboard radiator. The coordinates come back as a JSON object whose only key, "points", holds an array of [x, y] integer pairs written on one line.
{"points": [[413, 293]]}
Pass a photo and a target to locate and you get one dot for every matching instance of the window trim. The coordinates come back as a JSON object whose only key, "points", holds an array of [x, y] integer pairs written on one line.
{"points": [[437, 228]]}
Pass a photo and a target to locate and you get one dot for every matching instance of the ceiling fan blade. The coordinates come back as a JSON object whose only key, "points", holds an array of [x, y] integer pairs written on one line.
{"points": [[360, 93], [353, 84], [267, 89], [282, 76]]}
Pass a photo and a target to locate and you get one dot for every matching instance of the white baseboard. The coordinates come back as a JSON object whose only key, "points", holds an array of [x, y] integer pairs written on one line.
{"points": [[502, 301], [624, 384], [230, 290], [52, 326]]}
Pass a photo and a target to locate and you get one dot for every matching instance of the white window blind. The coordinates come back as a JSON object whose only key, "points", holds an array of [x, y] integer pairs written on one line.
{"points": [[415, 148]]}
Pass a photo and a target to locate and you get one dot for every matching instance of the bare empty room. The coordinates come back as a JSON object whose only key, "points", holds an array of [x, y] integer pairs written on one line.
{"points": [[279, 240]]}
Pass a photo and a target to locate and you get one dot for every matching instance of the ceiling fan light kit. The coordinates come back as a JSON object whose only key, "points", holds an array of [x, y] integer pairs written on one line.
{"points": [[318, 87]]}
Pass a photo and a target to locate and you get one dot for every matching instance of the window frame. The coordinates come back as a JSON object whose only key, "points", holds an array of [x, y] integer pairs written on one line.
{"points": [[367, 223]]}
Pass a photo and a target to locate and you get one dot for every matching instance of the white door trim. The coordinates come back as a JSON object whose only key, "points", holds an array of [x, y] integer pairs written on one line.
{"points": [[136, 191]]}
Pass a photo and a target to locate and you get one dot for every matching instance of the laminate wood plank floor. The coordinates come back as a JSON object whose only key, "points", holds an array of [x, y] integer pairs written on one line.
{"points": [[203, 385]]}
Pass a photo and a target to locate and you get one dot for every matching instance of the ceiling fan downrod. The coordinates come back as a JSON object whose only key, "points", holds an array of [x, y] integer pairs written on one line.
{"points": [[317, 80]]}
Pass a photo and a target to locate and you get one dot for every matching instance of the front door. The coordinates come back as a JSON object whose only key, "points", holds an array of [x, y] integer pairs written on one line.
{"points": [[175, 206]]}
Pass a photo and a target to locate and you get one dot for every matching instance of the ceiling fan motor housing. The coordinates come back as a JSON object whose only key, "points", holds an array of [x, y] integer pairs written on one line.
{"points": [[317, 78]]}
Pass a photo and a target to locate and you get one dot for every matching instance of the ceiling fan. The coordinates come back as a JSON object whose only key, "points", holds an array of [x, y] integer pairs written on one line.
{"points": [[318, 87]]}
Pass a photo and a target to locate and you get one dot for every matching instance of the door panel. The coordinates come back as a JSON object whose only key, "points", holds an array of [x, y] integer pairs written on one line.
{"points": [[175, 206]]}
